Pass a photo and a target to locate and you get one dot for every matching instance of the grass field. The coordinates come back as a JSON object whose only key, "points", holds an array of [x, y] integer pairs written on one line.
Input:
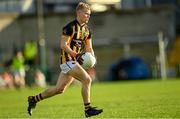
{"points": [[133, 99]]}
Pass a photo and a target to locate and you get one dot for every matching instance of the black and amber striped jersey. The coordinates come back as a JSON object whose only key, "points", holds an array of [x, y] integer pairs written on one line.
{"points": [[78, 37]]}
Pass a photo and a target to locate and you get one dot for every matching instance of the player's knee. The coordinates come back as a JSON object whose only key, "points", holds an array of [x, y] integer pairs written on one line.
{"points": [[60, 90], [87, 80]]}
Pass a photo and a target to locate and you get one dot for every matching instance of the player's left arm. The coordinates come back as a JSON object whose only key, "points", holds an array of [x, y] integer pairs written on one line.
{"points": [[89, 47]]}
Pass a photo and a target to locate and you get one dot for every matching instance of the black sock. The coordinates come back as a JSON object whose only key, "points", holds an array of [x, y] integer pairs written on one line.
{"points": [[38, 98], [87, 106]]}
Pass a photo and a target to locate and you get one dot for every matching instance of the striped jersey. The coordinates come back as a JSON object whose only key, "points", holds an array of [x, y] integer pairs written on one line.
{"points": [[78, 36]]}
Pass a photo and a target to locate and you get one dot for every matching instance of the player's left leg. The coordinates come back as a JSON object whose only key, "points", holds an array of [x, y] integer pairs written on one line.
{"points": [[79, 73], [92, 73]]}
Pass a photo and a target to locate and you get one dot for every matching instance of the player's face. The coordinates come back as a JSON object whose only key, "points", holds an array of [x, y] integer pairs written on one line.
{"points": [[84, 15]]}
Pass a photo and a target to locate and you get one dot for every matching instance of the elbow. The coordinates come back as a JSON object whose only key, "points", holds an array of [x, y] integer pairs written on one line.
{"points": [[89, 50]]}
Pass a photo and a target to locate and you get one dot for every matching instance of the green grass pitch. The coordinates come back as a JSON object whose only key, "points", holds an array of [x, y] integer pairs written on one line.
{"points": [[132, 99]]}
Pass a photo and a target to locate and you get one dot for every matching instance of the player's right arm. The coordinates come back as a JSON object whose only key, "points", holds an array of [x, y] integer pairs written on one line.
{"points": [[65, 40], [64, 45]]}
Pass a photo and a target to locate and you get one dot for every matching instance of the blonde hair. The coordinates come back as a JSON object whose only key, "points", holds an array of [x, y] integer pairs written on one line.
{"points": [[82, 5]]}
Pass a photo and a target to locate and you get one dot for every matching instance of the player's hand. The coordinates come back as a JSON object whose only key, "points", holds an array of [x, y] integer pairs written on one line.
{"points": [[79, 58]]}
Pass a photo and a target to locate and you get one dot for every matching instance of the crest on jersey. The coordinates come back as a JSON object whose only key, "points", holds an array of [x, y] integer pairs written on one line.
{"points": [[77, 42]]}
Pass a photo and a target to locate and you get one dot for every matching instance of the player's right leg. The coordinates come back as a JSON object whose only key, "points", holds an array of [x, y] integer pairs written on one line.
{"points": [[63, 82]]}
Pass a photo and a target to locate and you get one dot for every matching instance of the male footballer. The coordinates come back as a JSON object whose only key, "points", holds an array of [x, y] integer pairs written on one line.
{"points": [[75, 38]]}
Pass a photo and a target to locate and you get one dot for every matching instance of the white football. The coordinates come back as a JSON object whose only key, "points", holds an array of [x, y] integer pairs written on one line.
{"points": [[89, 60]]}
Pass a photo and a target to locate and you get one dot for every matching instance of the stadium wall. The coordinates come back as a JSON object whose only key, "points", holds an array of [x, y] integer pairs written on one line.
{"points": [[111, 28]]}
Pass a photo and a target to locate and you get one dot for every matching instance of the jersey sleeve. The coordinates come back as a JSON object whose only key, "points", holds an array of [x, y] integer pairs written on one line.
{"points": [[67, 30]]}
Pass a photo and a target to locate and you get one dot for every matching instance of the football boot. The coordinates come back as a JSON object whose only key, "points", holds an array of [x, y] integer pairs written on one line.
{"points": [[31, 104], [92, 111]]}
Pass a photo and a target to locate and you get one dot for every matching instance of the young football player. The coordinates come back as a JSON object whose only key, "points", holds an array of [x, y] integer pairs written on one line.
{"points": [[76, 37]]}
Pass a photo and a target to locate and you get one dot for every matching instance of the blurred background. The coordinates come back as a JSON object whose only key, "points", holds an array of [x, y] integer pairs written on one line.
{"points": [[132, 39]]}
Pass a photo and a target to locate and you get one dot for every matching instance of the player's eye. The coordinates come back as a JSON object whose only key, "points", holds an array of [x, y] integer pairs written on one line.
{"points": [[87, 14]]}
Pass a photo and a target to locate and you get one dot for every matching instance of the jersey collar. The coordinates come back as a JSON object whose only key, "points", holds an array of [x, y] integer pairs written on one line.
{"points": [[79, 23]]}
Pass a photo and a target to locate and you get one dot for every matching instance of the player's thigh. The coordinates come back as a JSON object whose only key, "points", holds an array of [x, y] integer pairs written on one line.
{"points": [[64, 80], [79, 73]]}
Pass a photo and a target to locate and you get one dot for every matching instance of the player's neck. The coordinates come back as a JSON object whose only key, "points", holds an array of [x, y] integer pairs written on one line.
{"points": [[80, 22]]}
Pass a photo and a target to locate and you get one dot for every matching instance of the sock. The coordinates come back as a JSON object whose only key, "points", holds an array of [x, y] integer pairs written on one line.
{"points": [[87, 106], [38, 98]]}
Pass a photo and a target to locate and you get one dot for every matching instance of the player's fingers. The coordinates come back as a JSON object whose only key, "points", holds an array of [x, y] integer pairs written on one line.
{"points": [[81, 61]]}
